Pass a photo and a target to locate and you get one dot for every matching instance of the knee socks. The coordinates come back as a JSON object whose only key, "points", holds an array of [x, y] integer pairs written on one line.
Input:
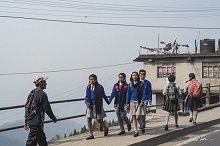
{"points": [[195, 113], [90, 129], [167, 118]]}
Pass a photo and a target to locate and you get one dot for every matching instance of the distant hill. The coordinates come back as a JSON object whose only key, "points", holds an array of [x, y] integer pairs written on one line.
{"points": [[5, 141], [18, 137]]}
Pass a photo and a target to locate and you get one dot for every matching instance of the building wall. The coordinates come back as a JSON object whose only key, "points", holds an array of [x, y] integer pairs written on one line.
{"points": [[183, 68]]}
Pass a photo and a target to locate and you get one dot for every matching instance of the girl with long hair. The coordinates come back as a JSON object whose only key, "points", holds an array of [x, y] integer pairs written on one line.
{"points": [[135, 100], [94, 102]]}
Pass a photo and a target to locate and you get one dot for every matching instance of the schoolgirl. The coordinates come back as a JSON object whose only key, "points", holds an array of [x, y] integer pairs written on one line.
{"points": [[135, 99], [171, 104], [94, 102]]}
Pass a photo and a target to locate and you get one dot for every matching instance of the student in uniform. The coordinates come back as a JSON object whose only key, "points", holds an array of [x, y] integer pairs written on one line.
{"points": [[94, 102], [148, 89], [194, 91], [171, 105], [119, 91], [135, 100]]}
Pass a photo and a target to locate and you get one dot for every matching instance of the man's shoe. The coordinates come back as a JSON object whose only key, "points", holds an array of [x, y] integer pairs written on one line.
{"points": [[106, 132], [166, 127], [177, 125], [143, 130], [194, 123], [136, 135], [121, 133], [129, 127], [191, 119], [90, 137]]}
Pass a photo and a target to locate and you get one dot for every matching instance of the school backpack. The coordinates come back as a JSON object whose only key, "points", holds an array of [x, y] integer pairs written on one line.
{"points": [[194, 88], [172, 92], [30, 106]]}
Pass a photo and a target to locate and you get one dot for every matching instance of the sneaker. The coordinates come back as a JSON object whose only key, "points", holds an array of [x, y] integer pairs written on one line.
{"points": [[136, 135], [177, 125], [129, 127], [121, 133], [166, 127], [191, 119], [106, 132], [90, 137], [194, 123]]}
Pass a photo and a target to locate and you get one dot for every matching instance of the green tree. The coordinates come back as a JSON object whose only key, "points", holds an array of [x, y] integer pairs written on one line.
{"points": [[94, 125], [64, 135], [109, 124], [57, 136], [74, 132], [113, 122], [83, 129]]}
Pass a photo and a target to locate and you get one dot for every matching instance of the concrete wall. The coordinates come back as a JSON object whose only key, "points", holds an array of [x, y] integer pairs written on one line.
{"points": [[183, 68]]}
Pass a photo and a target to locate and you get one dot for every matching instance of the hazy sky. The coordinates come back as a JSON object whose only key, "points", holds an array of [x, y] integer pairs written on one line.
{"points": [[31, 45]]}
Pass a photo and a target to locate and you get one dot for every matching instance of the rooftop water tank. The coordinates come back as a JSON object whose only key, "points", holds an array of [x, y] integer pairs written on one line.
{"points": [[207, 46]]}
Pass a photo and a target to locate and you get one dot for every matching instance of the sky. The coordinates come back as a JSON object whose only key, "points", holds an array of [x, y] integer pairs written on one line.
{"points": [[34, 45]]}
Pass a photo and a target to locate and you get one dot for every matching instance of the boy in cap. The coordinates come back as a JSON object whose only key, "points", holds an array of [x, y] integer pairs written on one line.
{"points": [[36, 122]]}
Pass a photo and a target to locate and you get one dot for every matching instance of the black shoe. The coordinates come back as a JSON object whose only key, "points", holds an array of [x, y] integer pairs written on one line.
{"points": [[129, 127], [191, 119], [194, 123], [166, 127], [136, 135], [90, 137], [106, 132], [177, 125], [143, 130], [121, 133]]}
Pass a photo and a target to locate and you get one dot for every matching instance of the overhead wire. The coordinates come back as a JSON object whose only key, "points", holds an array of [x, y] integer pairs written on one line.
{"points": [[107, 24], [106, 13], [68, 5], [64, 70], [95, 16]]}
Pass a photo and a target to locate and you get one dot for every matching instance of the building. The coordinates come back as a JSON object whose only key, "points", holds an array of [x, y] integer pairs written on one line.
{"points": [[206, 67]]}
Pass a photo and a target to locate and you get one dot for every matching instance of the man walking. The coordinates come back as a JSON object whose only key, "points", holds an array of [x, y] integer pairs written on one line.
{"points": [[35, 108], [148, 89]]}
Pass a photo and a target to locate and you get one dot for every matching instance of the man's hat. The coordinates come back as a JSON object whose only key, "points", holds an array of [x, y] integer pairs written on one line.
{"points": [[38, 79]]}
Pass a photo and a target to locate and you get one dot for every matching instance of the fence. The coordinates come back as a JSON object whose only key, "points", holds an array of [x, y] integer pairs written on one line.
{"points": [[208, 95], [208, 92]]}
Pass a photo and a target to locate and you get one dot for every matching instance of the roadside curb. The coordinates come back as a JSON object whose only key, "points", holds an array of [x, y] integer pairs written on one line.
{"points": [[177, 133]]}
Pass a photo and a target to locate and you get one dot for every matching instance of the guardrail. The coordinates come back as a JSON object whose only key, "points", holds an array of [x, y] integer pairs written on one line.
{"points": [[60, 119]]}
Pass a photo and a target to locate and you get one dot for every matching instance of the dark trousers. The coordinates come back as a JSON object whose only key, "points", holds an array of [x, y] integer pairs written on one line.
{"points": [[35, 136]]}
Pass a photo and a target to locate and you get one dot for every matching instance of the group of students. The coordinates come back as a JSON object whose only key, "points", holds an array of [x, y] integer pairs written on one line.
{"points": [[130, 97], [134, 97], [173, 98]]}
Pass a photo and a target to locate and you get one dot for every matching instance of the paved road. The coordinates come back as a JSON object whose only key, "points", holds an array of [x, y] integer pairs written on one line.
{"points": [[205, 137], [154, 128]]}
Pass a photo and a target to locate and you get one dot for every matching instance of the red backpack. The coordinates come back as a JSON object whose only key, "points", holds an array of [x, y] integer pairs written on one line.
{"points": [[194, 88]]}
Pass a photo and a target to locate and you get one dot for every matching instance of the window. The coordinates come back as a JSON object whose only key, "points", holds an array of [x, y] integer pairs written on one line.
{"points": [[210, 70], [164, 69]]}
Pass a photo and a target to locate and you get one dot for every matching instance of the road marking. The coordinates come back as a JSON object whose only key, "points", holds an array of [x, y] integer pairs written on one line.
{"points": [[200, 138]]}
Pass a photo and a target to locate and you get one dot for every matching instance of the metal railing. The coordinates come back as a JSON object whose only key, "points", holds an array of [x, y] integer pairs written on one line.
{"points": [[60, 119], [82, 99]]}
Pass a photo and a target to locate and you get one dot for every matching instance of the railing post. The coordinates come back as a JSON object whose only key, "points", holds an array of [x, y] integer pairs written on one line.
{"points": [[207, 93], [219, 93]]}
